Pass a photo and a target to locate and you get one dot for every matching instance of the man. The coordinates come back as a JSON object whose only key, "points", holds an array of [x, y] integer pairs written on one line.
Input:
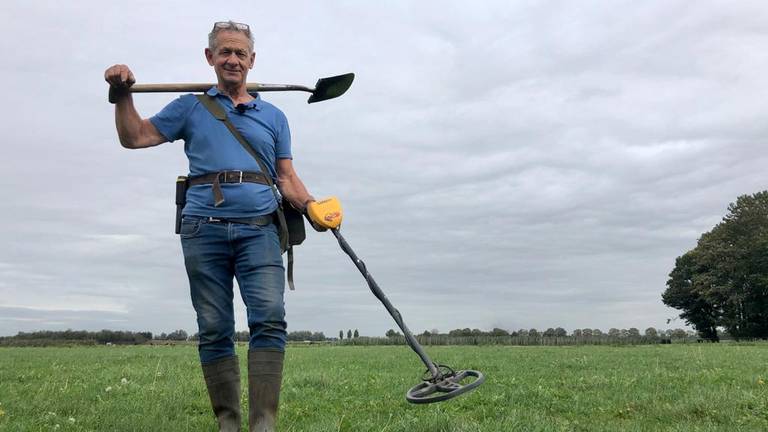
{"points": [[231, 233]]}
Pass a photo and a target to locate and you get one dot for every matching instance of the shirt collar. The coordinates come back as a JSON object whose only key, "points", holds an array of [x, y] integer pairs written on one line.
{"points": [[256, 103]]}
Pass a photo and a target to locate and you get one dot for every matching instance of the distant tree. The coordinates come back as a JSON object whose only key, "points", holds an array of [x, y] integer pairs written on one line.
{"points": [[681, 293], [614, 332], [679, 334], [460, 332], [550, 332], [597, 332], [522, 332], [349, 334], [723, 281], [576, 333], [499, 332], [178, 335], [651, 333], [356, 334], [301, 335], [587, 332], [533, 333], [633, 332], [341, 334], [391, 333], [560, 332]]}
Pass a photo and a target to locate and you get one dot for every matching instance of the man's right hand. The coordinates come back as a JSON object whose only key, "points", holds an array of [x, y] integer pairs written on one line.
{"points": [[120, 79]]}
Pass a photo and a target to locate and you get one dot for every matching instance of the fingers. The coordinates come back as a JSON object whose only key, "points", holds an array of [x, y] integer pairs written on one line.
{"points": [[119, 76], [319, 228]]}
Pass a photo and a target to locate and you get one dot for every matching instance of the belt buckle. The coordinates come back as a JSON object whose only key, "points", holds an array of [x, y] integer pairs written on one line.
{"points": [[228, 175]]}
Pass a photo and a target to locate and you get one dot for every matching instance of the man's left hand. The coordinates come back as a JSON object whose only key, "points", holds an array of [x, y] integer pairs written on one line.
{"points": [[324, 214]]}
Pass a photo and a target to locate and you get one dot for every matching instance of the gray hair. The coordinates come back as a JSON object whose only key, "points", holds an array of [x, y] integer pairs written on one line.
{"points": [[229, 26]]}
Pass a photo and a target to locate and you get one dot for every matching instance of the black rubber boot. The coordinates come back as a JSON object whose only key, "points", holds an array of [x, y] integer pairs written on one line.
{"points": [[222, 377], [265, 374]]}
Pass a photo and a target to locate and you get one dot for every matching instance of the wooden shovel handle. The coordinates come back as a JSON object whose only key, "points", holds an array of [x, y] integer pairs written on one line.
{"points": [[202, 87]]}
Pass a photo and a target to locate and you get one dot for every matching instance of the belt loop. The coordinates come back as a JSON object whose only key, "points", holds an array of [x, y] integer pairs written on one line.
{"points": [[218, 196], [241, 177]]}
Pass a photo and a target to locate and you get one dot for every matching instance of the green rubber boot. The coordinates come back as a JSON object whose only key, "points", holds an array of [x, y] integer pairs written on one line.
{"points": [[265, 374], [222, 377]]}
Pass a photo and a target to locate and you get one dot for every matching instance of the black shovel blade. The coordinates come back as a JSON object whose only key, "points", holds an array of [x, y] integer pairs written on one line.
{"points": [[331, 87]]}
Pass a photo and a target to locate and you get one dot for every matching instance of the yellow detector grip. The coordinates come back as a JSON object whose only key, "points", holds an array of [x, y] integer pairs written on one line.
{"points": [[325, 213]]}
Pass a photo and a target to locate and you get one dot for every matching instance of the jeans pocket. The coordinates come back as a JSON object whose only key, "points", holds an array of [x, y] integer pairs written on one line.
{"points": [[190, 227]]}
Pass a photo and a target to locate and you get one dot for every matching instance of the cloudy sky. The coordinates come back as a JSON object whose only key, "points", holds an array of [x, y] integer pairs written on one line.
{"points": [[514, 165]]}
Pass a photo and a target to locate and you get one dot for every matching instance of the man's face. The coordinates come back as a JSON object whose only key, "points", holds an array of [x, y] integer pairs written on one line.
{"points": [[232, 57]]}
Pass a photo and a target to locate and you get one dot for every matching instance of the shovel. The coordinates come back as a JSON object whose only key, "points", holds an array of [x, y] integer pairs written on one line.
{"points": [[326, 88]]}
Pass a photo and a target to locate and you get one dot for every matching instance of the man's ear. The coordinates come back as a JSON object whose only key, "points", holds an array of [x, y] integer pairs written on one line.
{"points": [[253, 60], [209, 56]]}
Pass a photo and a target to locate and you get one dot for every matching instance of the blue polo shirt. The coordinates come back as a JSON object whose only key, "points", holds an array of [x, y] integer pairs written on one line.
{"points": [[211, 147]]}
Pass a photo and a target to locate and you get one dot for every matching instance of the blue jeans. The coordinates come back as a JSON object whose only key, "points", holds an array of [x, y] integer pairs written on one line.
{"points": [[214, 254]]}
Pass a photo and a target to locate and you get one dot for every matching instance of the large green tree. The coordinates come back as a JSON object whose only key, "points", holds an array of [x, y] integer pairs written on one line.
{"points": [[723, 281]]}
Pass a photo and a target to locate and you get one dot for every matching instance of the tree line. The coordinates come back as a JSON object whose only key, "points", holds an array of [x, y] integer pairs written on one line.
{"points": [[80, 337], [118, 337], [550, 336], [559, 332], [112, 337]]}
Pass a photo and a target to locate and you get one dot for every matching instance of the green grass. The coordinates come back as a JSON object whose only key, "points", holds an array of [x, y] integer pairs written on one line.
{"points": [[698, 387]]}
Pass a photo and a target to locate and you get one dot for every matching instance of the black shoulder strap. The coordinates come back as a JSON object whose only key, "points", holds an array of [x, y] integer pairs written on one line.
{"points": [[209, 102], [218, 112]]}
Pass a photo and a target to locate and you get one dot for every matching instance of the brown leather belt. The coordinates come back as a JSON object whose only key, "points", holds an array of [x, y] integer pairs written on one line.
{"points": [[253, 220], [215, 179]]}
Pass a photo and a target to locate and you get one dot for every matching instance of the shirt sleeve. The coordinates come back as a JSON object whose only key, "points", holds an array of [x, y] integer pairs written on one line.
{"points": [[171, 120]]}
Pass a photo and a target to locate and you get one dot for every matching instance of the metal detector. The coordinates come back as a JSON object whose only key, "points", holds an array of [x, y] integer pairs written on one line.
{"points": [[326, 88], [439, 382]]}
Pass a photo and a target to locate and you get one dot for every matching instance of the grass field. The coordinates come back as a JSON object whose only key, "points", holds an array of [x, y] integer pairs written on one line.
{"points": [[696, 387]]}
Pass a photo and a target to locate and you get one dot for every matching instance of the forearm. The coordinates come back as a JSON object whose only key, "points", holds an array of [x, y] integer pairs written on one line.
{"points": [[128, 122], [292, 189]]}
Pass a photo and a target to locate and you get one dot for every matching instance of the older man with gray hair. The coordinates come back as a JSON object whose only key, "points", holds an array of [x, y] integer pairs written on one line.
{"points": [[228, 227]]}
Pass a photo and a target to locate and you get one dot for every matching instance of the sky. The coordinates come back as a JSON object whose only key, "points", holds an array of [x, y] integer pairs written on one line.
{"points": [[500, 164]]}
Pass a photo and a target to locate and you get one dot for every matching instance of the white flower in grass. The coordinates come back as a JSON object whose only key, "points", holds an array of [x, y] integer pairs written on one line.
{"points": [[71, 419], [108, 389], [124, 381]]}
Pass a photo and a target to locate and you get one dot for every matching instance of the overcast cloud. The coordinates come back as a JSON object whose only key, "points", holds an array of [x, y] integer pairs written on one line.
{"points": [[501, 164]]}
